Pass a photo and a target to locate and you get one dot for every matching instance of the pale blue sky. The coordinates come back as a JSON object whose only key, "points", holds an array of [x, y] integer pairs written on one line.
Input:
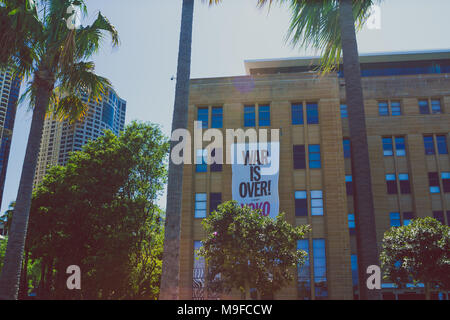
{"points": [[224, 36]]}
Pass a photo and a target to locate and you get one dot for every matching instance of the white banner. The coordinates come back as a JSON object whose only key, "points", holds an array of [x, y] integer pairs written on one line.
{"points": [[255, 176]]}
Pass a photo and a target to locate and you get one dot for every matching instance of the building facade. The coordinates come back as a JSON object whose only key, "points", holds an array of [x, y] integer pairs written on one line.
{"points": [[407, 106], [60, 138], [9, 94]]}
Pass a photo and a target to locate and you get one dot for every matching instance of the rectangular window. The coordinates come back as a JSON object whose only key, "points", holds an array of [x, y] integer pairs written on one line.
{"points": [[198, 276], [388, 149], [217, 167], [349, 185], [264, 116], [391, 184], [433, 178], [297, 113], [436, 106], [249, 116], [395, 219], [320, 269], [428, 142], [299, 157], [214, 200], [347, 148], [400, 146], [344, 111], [351, 223], [201, 165], [442, 144], [396, 108], [424, 107], [446, 181], [312, 113], [405, 185], [203, 116], [314, 156], [301, 204], [407, 218], [383, 108], [304, 273], [217, 117], [200, 205], [439, 216], [355, 279], [317, 203]]}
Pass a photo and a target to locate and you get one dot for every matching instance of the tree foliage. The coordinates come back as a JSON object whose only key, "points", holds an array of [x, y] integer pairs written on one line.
{"points": [[99, 213], [418, 253], [245, 250]]}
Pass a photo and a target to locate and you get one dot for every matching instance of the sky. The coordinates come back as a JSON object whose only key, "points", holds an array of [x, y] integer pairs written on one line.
{"points": [[223, 37]]}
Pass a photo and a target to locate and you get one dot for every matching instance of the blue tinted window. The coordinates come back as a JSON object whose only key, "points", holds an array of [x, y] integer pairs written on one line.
{"points": [[388, 147], [354, 262], [428, 142], [200, 205], [320, 269], [249, 116], [201, 165], [264, 116], [436, 106], [383, 108], [312, 113], [303, 273], [108, 114], [400, 146], [423, 107], [347, 149], [203, 116], [395, 219], [314, 156], [297, 114], [442, 144], [344, 111], [407, 218], [351, 221], [217, 117], [301, 204], [396, 108], [317, 203]]}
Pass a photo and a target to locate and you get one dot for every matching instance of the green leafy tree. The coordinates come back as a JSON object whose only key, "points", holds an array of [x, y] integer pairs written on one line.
{"points": [[100, 213], [37, 43], [245, 250], [418, 253]]}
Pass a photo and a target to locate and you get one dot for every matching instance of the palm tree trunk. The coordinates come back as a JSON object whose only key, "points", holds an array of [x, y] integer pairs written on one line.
{"points": [[10, 276], [363, 197], [171, 265]]}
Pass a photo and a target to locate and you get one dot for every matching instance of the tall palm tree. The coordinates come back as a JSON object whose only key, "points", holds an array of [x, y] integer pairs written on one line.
{"points": [[330, 27], [37, 43]]}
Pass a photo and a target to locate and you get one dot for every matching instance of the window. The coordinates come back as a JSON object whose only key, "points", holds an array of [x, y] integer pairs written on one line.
{"points": [[388, 149], [446, 181], [314, 156], [383, 108], [201, 165], [317, 203], [344, 111], [428, 142], [349, 185], [312, 113], [347, 148], [395, 219], [217, 117], [423, 107], [217, 167], [264, 116], [200, 205], [198, 276], [299, 157], [214, 200], [400, 146], [301, 204], [355, 280], [351, 223], [297, 113], [407, 218], [405, 186], [320, 269], [442, 144], [303, 273], [391, 183], [439, 216], [396, 108], [203, 116], [249, 116], [433, 178], [436, 106]]}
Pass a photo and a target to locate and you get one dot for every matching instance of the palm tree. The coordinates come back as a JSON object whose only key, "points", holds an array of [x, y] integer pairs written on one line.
{"points": [[330, 27], [37, 43]]}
